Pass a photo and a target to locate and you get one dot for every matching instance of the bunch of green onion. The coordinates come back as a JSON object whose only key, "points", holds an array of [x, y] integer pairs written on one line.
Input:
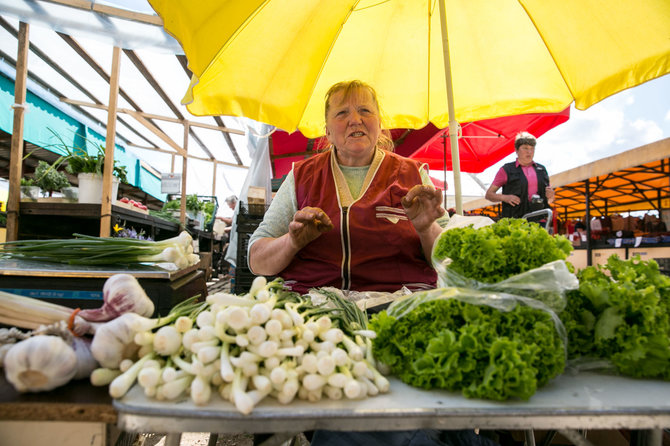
{"points": [[89, 250]]}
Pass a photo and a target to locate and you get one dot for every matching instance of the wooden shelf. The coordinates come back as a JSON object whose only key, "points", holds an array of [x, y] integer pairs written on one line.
{"points": [[64, 219]]}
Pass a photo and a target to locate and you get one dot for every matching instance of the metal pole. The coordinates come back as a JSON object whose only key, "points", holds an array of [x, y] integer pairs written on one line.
{"points": [[453, 124], [444, 160], [587, 217]]}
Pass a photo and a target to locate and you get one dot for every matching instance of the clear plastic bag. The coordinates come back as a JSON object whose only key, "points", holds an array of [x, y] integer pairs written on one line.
{"points": [[496, 299], [547, 283], [365, 300]]}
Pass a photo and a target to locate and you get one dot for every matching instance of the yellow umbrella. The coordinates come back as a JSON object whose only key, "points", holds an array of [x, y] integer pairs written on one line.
{"points": [[438, 61]]}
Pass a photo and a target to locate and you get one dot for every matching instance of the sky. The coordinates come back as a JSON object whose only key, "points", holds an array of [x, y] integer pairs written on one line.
{"points": [[624, 121]]}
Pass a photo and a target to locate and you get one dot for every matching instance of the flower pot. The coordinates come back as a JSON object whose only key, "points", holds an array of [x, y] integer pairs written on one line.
{"points": [[30, 193], [70, 194], [90, 188]]}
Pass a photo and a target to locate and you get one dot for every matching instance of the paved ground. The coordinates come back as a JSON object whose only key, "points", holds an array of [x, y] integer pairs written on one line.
{"points": [[197, 439], [202, 439]]}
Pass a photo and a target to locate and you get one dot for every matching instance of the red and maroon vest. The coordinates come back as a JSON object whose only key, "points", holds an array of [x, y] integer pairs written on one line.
{"points": [[373, 246]]}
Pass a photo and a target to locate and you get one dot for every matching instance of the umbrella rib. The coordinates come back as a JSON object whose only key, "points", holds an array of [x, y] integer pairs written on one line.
{"points": [[495, 133], [470, 149]]}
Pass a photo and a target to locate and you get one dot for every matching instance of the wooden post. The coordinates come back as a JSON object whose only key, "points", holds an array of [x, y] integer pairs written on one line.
{"points": [[16, 153], [184, 165], [106, 206], [214, 179]]}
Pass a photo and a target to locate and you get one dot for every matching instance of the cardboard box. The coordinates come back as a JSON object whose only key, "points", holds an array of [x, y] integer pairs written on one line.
{"points": [[206, 264], [256, 200]]}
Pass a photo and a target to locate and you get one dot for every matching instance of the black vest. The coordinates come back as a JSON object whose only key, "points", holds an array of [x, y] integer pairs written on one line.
{"points": [[518, 185]]}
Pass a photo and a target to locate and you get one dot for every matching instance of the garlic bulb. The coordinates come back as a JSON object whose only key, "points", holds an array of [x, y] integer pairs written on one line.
{"points": [[121, 294], [40, 363], [115, 341], [86, 363]]}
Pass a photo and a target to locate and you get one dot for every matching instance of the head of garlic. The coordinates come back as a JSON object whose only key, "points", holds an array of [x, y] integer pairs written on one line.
{"points": [[115, 341], [121, 294], [40, 363]]}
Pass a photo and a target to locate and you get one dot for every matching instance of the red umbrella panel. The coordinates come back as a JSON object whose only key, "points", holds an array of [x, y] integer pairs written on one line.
{"points": [[287, 148], [482, 143]]}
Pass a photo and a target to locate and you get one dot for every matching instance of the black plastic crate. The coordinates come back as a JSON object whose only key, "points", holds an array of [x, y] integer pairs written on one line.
{"points": [[247, 222], [242, 246], [663, 265], [252, 210], [243, 279]]}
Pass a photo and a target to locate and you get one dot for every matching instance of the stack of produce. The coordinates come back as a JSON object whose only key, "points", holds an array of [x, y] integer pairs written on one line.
{"points": [[621, 314], [89, 250], [267, 342], [466, 340], [57, 350], [496, 252], [472, 337]]}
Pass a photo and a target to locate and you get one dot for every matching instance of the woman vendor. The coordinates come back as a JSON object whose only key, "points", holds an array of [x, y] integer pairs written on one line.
{"points": [[357, 216]]}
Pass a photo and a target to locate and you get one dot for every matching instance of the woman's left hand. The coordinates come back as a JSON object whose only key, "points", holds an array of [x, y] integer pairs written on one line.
{"points": [[423, 205]]}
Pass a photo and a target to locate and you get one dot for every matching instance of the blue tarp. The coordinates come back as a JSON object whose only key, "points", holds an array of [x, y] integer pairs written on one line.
{"points": [[42, 120]]}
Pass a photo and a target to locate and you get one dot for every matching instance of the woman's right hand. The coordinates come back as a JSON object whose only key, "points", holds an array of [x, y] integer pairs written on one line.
{"points": [[307, 225], [511, 199]]}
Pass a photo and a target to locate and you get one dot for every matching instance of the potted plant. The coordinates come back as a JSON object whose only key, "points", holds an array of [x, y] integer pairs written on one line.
{"points": [[29, 190], [49, 179], [89, 170]]}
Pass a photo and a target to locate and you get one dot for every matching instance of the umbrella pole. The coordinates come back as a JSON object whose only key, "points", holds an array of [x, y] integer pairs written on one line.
{"points": [[453, 124], [444, 154]]}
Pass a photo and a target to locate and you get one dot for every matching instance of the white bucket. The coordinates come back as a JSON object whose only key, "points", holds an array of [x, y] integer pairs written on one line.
{"points": [[90, 188]]}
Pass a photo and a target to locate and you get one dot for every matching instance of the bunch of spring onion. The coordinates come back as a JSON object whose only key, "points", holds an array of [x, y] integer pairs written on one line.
{"points": [[89, 250], [267, 342]]}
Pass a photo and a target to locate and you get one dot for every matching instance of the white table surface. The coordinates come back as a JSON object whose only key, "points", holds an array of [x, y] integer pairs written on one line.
{"points": [[580, 401]]}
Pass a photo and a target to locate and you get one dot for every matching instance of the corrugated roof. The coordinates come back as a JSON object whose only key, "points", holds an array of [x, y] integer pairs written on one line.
{"points": [[71, 45]]}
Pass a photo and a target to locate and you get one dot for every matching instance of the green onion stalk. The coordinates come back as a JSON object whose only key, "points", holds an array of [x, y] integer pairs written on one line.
{"points": [[90, 250]]}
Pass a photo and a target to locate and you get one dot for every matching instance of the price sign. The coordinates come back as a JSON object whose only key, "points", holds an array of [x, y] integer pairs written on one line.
{"points": [[170, 183]]}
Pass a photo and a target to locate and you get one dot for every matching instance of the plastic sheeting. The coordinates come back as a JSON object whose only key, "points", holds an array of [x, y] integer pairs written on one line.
{"points": [[105, 28], [260, 174]]}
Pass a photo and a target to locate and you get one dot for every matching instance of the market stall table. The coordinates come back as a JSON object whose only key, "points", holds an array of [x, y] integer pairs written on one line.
{"points": [[77, 413], [571, 401], [78, 286]]}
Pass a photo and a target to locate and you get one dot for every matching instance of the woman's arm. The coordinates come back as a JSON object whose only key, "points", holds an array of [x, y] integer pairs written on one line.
{"points": [[284, 231], [268, 256]]}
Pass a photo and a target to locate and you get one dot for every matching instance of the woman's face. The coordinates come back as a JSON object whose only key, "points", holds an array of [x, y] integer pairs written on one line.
{"points": [[525, 154], [353, 127]]}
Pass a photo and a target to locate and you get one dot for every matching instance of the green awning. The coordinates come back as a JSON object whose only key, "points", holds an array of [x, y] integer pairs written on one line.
{"points": [[42, 119]]}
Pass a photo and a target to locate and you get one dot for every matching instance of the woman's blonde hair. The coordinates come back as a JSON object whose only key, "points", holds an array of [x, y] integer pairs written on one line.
{"points": [[348, 88]]}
